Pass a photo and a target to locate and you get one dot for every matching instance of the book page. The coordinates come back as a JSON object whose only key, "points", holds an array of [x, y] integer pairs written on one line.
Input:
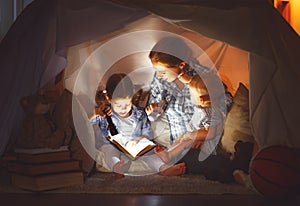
{"points": [[142, 144], [119, 138], [140, 148]]}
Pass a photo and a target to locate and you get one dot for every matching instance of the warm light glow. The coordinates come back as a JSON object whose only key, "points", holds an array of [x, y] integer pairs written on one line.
{"points": [[290, 10]]}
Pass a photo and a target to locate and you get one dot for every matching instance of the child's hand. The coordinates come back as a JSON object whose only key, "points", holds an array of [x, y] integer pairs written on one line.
{"points": [[108, 111], [99, 111], [131, 143], [93, 119], [99, 108]]}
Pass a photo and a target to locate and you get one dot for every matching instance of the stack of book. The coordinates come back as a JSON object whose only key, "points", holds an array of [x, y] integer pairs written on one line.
{"points": [[44, 169]]}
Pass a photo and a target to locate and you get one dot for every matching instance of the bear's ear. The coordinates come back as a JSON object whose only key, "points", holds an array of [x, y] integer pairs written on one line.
{"points": [[51, 96], [28, 103], [25, 105]]}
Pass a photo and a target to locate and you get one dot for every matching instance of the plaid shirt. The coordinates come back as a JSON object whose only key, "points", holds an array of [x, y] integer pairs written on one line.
{"points": [[206, 117], [180, 108]]}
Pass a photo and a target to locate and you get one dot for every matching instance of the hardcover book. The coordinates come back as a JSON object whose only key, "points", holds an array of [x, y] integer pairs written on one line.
{"points": [[42, 155], [141, 147], [43, 168], [48, 181]]}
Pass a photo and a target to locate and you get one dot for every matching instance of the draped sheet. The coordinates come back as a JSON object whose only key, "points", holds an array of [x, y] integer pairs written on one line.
{"points": [[274, 51], [126, 50], [35, 50]]}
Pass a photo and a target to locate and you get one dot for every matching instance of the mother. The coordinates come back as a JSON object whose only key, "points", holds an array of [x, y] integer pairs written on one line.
{"points": [[174, 68]]}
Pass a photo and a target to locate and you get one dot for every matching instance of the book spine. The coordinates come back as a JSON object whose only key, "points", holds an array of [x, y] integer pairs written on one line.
{"points": [[48, 182], [44, 157], [43, 168]]}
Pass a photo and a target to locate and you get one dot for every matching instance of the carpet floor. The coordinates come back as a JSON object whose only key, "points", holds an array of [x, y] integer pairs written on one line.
{"points": [[154, 184], [107, 183]]}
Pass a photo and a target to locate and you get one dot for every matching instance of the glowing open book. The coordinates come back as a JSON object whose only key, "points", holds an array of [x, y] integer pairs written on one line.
{"points": [[144, 145]]}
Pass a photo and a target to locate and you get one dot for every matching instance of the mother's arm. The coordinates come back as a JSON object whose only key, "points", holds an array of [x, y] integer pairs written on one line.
{"points": [[199, 136]]}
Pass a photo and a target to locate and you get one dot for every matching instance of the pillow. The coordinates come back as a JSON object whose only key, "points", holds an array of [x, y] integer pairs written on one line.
{"points": [[237, 125]]}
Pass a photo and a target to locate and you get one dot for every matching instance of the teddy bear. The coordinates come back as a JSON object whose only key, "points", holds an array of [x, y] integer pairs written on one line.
{"points": [[48, 123], [38, 129]]}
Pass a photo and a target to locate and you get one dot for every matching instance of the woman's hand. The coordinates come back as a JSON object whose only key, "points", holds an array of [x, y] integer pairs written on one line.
{"points": [[150, 108], [197, 144], [102, 110], [189, 136]]}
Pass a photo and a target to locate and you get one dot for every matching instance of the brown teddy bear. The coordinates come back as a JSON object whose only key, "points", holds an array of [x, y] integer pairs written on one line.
{"points": [[49, 124], [38, 129]]}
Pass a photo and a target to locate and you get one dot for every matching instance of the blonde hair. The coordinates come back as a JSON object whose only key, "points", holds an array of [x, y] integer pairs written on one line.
{"points": [[208, 84], [198, 84]]}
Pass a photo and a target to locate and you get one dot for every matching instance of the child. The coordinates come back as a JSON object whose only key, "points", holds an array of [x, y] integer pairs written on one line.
{"points": [[132, 123]]}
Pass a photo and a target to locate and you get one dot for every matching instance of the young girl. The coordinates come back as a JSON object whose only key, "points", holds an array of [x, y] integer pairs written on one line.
{"points": [[132, 123]]}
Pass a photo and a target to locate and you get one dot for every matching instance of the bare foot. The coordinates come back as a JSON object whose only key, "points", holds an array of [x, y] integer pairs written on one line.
{"points": [[163, 155], [244, 179], [120, 168], [240, 177], [174, 170]]}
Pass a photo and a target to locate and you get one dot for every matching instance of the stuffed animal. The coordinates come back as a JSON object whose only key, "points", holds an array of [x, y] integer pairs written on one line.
{"points": [[49, 124], [38, 128]]}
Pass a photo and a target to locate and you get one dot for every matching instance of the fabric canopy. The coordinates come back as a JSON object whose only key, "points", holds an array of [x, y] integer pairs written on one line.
{"points": [[274, 53], [35, 50]]}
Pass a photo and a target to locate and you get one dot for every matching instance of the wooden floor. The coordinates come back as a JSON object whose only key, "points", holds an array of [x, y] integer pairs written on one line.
{"points": [[10, 199]]}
